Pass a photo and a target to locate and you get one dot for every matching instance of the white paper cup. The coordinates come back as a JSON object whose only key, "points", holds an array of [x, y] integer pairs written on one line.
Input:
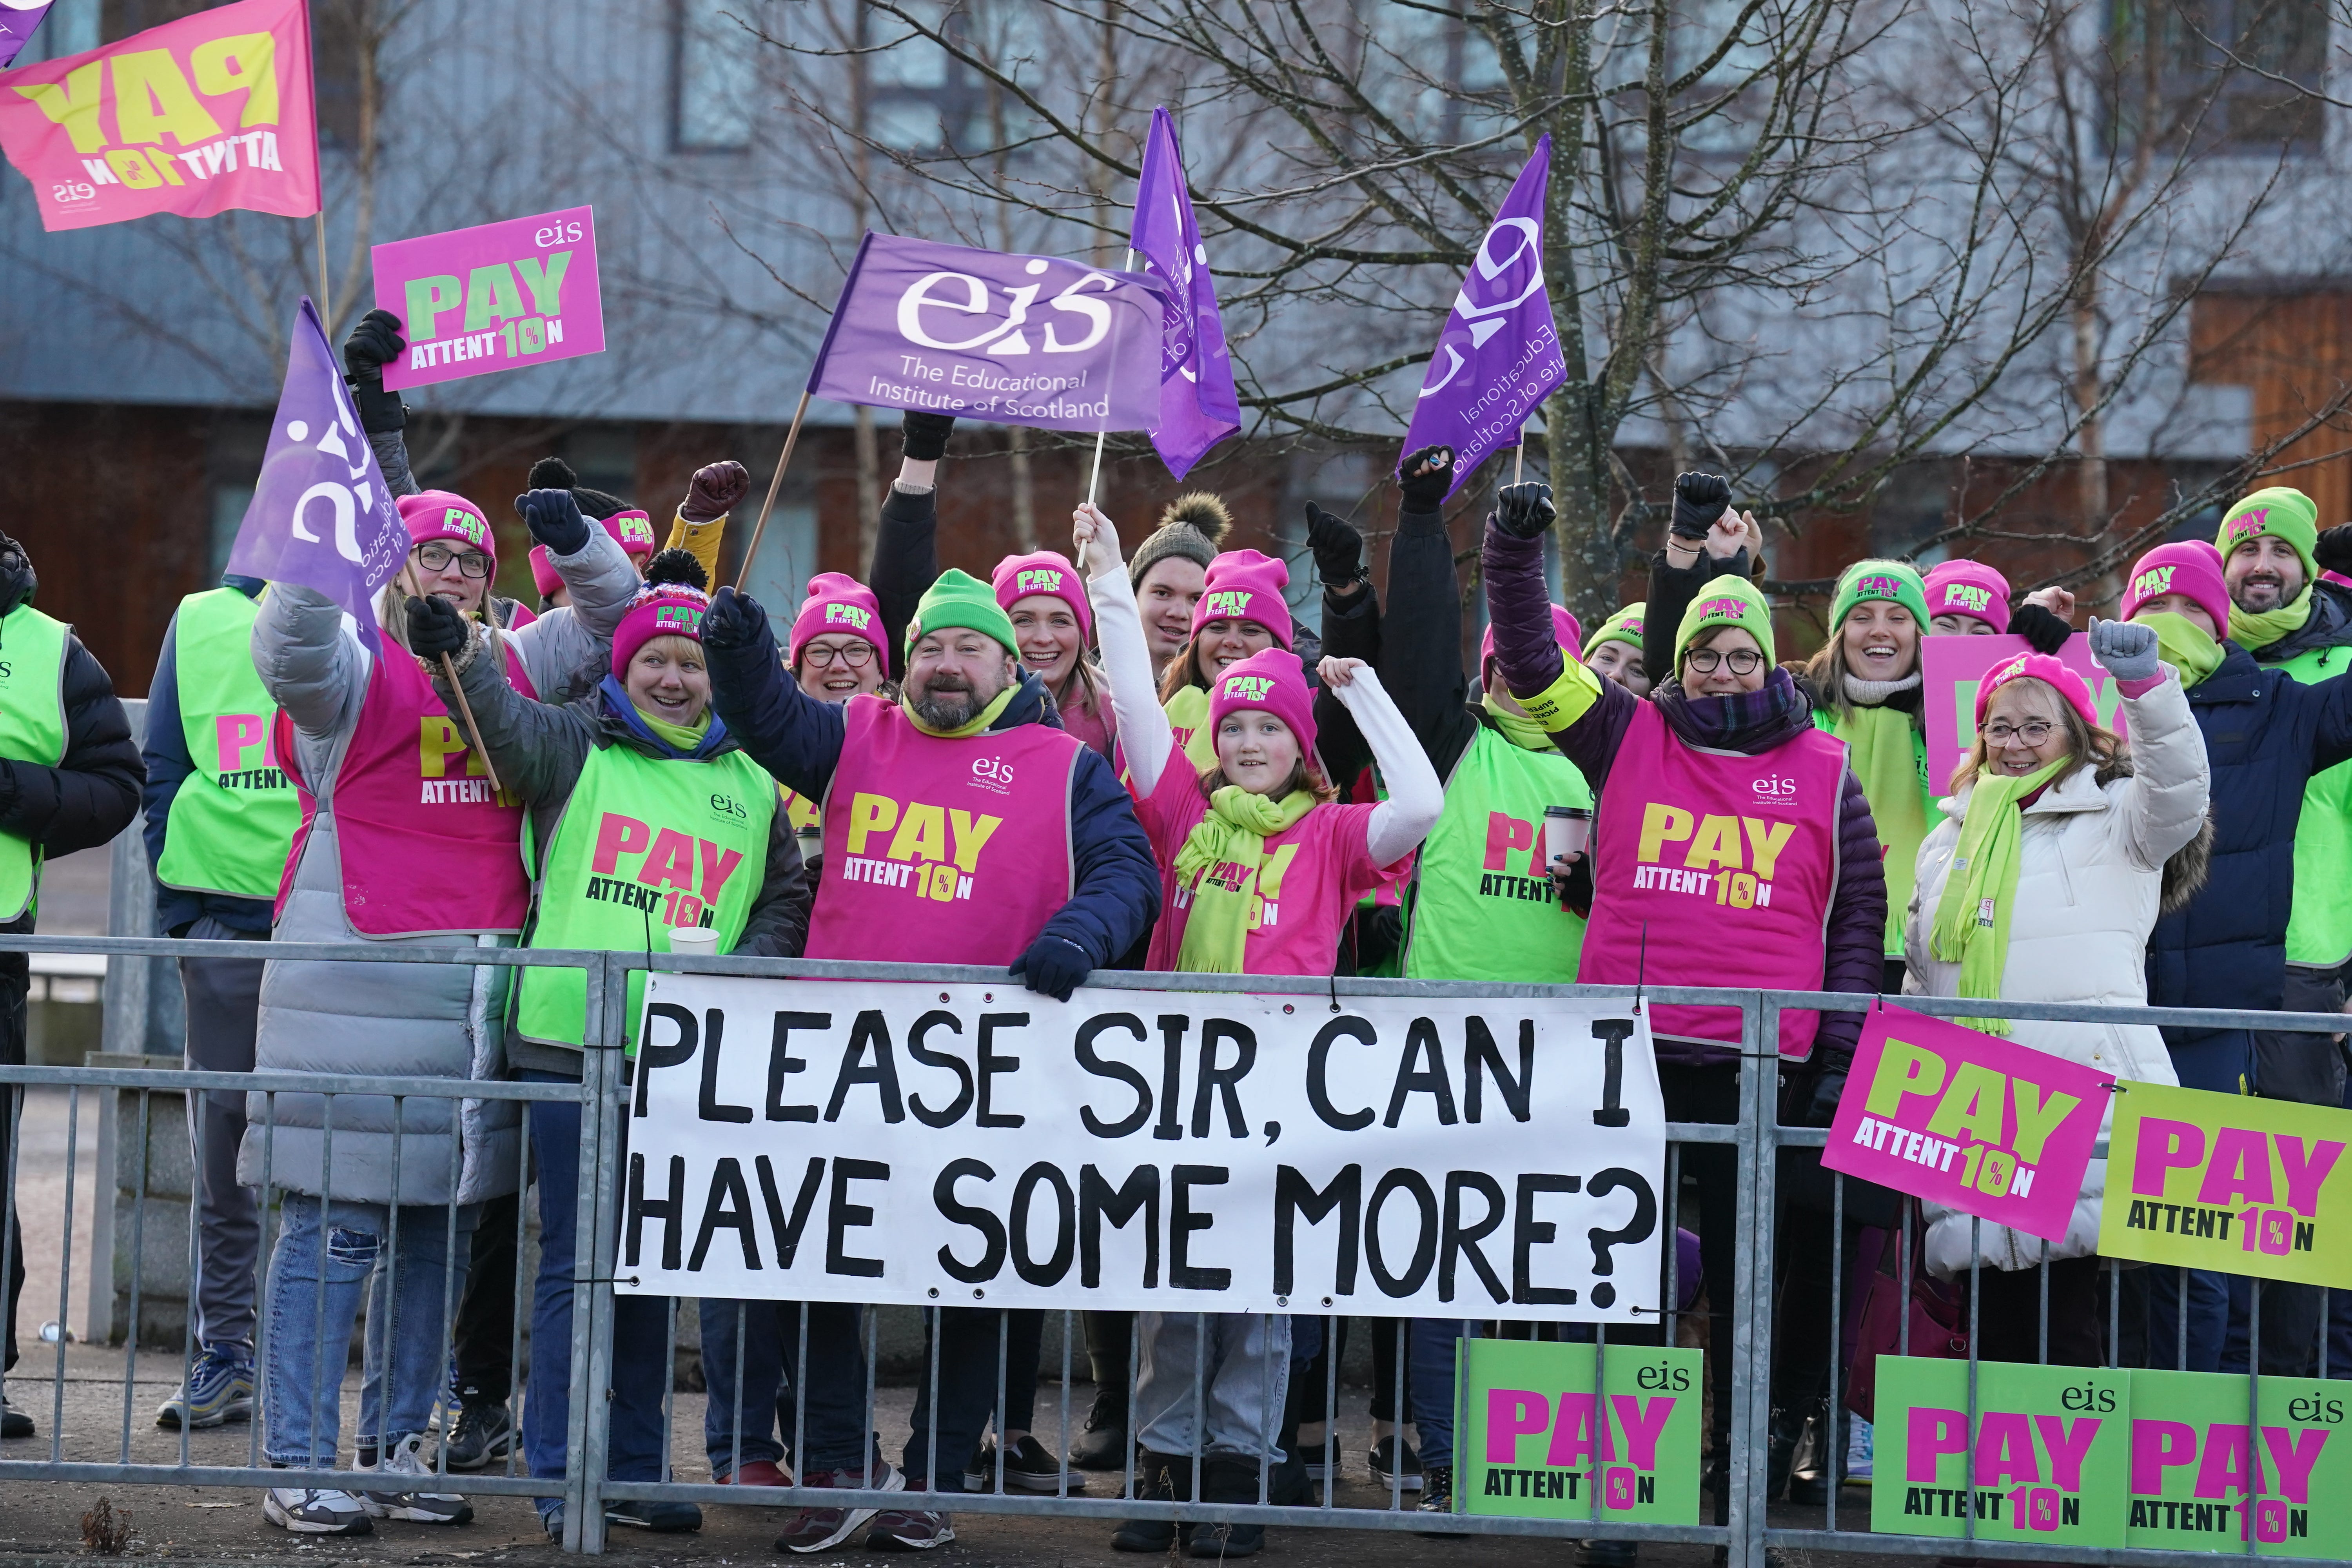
{"points": [[696, 942], [1568, 830]]}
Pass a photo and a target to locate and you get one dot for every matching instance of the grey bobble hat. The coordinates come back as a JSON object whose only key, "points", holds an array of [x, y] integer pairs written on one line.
{"points": [[1194, 527]]}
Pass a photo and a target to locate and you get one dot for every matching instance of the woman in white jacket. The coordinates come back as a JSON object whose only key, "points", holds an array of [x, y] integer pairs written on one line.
{"points": [[2075, 839]]}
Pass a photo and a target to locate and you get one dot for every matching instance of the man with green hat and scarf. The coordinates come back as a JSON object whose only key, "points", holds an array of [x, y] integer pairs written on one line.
{"points": [[962, 826]]}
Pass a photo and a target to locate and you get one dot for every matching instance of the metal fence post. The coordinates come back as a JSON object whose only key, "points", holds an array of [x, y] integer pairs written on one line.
{"points": [[606, 1022], [583, 1520], [1746, 1472]]}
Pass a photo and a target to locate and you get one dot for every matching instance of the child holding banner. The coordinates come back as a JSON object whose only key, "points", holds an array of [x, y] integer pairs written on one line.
{"points": [[1257, 832], [2041, 885]]}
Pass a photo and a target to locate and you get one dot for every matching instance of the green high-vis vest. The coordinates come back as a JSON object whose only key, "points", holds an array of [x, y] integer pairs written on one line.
{"points": [[32, 729], [232, 821], [643, 846], [2319, 932], [1481, 907]]}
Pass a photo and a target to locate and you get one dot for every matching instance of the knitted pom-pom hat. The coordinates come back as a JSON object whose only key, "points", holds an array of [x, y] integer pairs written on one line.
{"points": [[1192, 527]]}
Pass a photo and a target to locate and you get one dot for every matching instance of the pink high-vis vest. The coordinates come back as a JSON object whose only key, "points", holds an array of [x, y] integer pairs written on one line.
{"points": [[426, 848], [1731, 861], [946, 851]]}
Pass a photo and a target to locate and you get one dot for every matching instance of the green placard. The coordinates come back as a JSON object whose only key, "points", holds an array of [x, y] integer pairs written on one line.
{"points": [[2231, 1183], [2051, 1448], [2193, 1465], [1530, 1436]]}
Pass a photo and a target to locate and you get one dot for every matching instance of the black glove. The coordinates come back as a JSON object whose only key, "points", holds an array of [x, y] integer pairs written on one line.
{"points": [[2333, 549], [435, 627], [733, 620], [374, 343], [716, 487], [2039, 627], [1054, 965], [1700, 501], [1523, 512], [1829, 1088], [18, 582], [1338, 547], [553, 518], [926, 434], [1425, 491]]}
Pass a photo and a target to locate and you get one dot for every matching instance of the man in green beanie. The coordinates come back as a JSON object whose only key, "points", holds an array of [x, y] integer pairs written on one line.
{"points": [[961, 825], [2282, 614]]}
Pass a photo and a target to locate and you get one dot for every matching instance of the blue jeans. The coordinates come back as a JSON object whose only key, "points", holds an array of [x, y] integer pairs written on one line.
{"points": [[640, 1323], [1430, 1347], [412, 1283], [833, 1401]]}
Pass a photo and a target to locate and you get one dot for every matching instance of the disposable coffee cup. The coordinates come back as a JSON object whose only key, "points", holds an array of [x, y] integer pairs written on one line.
{"points": [[694, 941], [1568, 830]]}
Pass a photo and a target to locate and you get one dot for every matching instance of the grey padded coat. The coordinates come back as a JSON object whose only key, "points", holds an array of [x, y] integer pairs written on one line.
{"points": [[405, 1020]]}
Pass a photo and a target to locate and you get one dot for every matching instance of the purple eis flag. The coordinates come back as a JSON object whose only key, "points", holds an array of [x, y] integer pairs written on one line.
{"points": [[1014, 339], [1198, 406], [17, 20], [1500, 355], [320, 515]]}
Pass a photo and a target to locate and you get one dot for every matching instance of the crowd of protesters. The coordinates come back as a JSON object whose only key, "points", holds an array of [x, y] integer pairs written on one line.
{"points": [[1197, 758]]}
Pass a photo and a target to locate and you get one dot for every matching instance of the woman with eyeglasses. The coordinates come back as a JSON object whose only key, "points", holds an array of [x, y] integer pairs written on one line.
{"points": [[1731, 846], [2060, 845], [401, 839]]}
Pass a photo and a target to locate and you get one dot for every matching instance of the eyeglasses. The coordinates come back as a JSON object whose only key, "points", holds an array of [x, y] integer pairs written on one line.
{"points": [[436, 558], [2034, 731], [850, 656], [1742, 660]]}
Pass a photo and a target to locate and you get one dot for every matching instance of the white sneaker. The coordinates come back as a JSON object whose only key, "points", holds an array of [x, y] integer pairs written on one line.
{"points": [[405, 1458], [306, 1511], [1859, 1457]]}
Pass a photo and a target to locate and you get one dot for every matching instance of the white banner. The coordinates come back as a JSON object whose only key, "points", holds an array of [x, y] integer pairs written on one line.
{"points": [[856, 1141]]}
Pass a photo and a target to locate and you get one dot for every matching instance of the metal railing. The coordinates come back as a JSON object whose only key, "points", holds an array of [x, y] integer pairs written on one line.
{"points": [[1743, 1337]]}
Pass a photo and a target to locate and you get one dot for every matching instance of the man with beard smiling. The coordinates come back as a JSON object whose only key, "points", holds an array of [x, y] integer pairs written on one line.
{"points": [[961, 825]]}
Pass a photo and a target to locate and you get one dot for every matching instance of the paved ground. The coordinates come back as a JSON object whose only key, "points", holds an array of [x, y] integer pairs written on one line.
{"points": [[40, 1522]]}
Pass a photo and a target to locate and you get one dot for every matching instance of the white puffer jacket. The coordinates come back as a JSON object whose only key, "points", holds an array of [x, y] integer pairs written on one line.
{"points": [[2090, 878]]}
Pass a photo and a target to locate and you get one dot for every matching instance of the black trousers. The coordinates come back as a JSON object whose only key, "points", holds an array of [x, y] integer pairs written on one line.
{"points": [[484, 1339], [15, 977]]}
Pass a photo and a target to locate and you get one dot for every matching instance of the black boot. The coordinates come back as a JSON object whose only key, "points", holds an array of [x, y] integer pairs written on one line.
{"points": [[1228, 1478], [1821, 1470], [1103, 1443], [1159, 1477]]}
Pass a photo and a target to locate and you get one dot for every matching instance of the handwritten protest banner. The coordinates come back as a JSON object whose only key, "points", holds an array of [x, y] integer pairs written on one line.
{"points": [[2231, 1183], [495, 297], [1532, 1439], [195, 117], [2199, 1480], [1953, 667], [2045, 1461], [855, 1140], [1014, 339], [1969, 1120]]}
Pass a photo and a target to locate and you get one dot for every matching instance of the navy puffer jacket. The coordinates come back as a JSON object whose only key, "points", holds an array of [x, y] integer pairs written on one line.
{"points": [[2265, 736]]}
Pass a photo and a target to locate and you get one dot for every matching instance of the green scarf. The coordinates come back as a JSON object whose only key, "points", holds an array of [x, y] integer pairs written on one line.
{"points": [[974, 726], [1972, 917], [2184, 645], [2251, 631], [1883, 751], [681, 737], [1518, 728], [1234, 833]]}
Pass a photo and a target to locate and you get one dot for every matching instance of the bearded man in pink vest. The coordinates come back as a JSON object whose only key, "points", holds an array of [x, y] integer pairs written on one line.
{"points": [[961, 825]]}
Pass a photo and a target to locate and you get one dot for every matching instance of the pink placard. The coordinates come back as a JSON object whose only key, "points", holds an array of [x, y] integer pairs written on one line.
{"points": [[1969, 1120], [496, 297], [1953, 667]]}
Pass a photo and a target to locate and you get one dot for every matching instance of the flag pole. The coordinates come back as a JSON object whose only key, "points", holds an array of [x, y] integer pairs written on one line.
{"points": [[473, 732], [326, 307], [791, 438], [1095, 474]]}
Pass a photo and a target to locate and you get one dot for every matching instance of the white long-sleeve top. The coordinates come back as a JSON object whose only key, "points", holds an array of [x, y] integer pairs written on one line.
{"points": [[1398, 824]]}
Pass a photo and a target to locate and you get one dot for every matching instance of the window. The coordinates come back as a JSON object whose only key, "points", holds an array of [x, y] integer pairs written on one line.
{"points": [[717, 75], [920, 99], [2241, 73]]}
